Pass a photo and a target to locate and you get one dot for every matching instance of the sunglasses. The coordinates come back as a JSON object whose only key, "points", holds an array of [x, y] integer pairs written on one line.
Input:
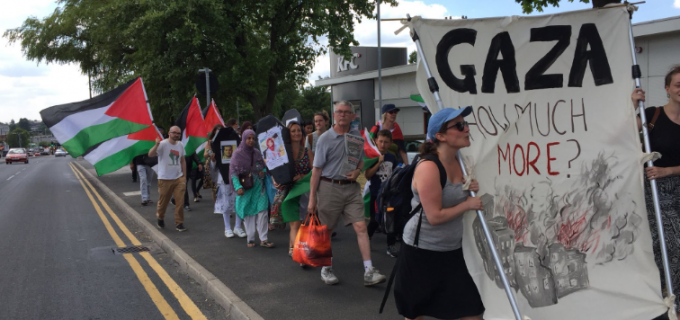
{"points": [[458, 125], [175, 132]]}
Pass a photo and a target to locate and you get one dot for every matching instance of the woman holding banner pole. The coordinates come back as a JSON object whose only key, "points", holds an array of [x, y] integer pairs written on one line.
{"points": [[431, 277], [664, 129]]}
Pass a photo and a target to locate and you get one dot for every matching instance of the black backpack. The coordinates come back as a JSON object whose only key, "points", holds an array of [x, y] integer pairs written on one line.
{"points": [[395, 198]]}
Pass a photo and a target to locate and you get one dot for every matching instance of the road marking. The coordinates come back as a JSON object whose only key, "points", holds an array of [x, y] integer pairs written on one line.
{"points": [[189, 307], [150, 288], [10, 177], [132, 193]]}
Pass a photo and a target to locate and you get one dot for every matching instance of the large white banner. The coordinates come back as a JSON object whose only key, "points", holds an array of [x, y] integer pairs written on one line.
{"points": [[557, 155]]}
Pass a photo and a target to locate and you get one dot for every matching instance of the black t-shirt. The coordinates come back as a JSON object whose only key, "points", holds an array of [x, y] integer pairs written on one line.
{"points": [[383, 173], [664, 139]]}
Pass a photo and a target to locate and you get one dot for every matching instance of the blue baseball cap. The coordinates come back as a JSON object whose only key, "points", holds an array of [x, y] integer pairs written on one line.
{"points": [[388, 107], [440, 118]]}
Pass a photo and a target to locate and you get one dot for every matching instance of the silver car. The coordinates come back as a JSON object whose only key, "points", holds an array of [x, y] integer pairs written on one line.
{"points": [[60, 153]]}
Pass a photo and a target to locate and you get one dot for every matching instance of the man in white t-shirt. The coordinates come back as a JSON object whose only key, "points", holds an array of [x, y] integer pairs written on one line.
{"points": [[171, 176]]}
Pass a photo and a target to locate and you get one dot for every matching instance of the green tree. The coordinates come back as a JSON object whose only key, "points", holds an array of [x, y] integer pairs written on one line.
{"points": [[13, 138], [24, 124], [44, 144], [528, 6], [413, 57], [12, 125], [256, 48]]}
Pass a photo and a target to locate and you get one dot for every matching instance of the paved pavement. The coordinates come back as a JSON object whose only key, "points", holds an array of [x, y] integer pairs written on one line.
{"points": [[267, 279], [58, 259]]}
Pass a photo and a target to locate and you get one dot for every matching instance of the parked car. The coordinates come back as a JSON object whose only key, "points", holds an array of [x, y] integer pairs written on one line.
{"points": [[36, 154], [16, 155], [60, 153], [412, 149]]}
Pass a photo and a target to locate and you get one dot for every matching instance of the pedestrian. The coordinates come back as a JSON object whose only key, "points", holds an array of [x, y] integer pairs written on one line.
{"points": [[303, 166], [388, 121], [232, 123], [245, 126], [197, 179], [664, 130], [172, 176], [308, 126], [225, 195], [377, 174], [247, 172], [210, 176], [338, 191], [144, 172], [133, 168], [190, 161], [321, 121], [431, 276]]}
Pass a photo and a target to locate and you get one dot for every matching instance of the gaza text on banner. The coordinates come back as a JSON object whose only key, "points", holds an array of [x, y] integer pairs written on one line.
{"points": [[557, 156]]}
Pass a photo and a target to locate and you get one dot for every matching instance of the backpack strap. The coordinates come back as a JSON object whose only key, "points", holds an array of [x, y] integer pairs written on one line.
{"points": [[657, 112]]}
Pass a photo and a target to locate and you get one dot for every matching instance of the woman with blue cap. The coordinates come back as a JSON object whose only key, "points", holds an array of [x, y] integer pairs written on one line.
{"points": [[432, 278], [389, 122]]}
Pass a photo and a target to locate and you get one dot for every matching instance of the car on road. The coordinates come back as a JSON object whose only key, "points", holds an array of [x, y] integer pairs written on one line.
{"points": [[36, 154], [45, 151], [412, 149], [60, 153], [16, 155]]}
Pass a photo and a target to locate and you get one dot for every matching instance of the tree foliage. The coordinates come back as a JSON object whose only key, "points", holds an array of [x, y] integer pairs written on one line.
{"points": [[24, 124], [528, 6], [13, 138], [413, 57], [12, 125], [256, 48]]}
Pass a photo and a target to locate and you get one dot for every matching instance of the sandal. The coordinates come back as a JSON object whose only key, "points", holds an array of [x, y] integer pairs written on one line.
{"points": [[251, 244], [290, 252], [144, 203], [195, 199], [199, 196], [266, 244]]}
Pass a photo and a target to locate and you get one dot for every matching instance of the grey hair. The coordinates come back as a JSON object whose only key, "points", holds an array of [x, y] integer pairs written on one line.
{"points": [[344, 103]]}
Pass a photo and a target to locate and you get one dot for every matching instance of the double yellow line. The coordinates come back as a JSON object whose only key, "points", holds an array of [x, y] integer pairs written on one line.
{"points": [[189, 307]]}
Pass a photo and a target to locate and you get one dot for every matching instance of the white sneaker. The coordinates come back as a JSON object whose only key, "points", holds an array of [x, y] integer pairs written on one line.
{"points": [[327, 276], [229, 234], [239, 232], [373, 276]]}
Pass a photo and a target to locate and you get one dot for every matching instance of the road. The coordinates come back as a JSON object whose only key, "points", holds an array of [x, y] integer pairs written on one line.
{"points": [[59, 242]]}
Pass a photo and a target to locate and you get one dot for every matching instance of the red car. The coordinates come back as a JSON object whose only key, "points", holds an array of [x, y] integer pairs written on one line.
{"points": [[16, 155]]}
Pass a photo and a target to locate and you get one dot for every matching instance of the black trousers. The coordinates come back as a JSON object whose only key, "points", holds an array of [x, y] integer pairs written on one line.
{"points": [[373, 225]]}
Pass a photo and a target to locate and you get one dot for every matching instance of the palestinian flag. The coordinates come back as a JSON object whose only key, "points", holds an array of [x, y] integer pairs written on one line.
{"points": [[119, 152], [78, 126], [212, 117], [192, 124], [371, 155]]}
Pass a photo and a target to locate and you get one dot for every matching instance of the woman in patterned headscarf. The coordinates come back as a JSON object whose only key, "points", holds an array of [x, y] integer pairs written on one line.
{"points": [[252, 204]]}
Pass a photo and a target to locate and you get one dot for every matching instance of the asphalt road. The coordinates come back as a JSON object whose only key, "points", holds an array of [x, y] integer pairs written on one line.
{"points": [[267, 279], [59, 259]]}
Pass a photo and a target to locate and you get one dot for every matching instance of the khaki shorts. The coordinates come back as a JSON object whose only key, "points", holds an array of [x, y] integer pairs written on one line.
{"points": [[335, 200]]}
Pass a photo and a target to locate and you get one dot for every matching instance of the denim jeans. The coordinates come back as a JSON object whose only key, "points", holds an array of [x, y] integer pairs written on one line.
{"points": [[144, 173]]}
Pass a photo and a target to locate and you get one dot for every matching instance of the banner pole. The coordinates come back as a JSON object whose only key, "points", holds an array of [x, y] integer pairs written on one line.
{"points": [[434, 88], [648, 149]]}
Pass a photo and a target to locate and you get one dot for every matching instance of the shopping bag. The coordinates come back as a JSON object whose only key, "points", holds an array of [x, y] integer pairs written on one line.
{"points": [[313, 243]]}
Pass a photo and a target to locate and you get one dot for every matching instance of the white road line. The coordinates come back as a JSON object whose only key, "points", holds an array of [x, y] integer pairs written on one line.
{"points": [[10, 177], [18, 172]]}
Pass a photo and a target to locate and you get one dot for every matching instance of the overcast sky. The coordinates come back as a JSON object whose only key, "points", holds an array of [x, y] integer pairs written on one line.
{"points": [[27, 87]]}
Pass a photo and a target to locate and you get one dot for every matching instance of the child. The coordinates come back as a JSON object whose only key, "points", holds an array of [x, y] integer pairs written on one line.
{"points": [[376, 174]]}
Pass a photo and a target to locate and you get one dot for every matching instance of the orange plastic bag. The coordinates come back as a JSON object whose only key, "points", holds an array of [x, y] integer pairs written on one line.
{"points": [[313, 243]]}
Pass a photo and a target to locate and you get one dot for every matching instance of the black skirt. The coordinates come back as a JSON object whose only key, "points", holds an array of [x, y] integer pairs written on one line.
{"points": [[435, 284]]}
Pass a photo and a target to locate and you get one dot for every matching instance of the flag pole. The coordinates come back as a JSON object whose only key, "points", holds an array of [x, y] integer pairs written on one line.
{"points": [[655, 193], [434, 88]]}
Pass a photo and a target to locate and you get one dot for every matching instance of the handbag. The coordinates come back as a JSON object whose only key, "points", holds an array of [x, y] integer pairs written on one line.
{"points": [[208, 182], [313, 243], [246, 178]]}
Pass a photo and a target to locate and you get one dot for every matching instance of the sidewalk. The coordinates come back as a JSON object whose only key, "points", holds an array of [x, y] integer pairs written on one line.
{"points": [[268, 280]]}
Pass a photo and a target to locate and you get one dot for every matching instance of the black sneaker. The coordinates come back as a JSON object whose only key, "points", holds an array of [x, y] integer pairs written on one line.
{"points": [[180, 227], [187, 208], [392, 251], [160, 223]]}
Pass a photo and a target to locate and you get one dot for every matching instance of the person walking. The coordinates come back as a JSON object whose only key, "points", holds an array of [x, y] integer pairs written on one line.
{"points": [[664, 130], [172, 176], [144, 173], [303, 166], [321, 121], [389, 122], [247, 172], [431, 277], [338, 191]]}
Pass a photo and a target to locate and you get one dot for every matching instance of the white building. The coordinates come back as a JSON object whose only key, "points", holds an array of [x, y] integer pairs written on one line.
{"points": [[657, 43]]}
